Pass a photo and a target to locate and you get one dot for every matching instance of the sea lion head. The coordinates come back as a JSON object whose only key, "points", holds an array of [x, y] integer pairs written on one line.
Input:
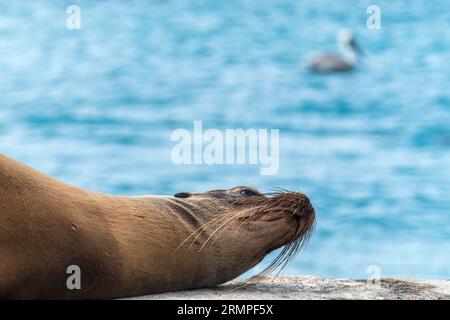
{"points": [[236, 228]]}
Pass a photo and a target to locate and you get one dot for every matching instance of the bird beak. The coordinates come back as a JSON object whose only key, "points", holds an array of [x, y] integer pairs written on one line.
{"points": [[357, 48]]}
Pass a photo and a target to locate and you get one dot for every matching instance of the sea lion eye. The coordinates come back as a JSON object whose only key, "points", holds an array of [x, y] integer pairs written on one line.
{"points": [[182, 195], [247, 192]]}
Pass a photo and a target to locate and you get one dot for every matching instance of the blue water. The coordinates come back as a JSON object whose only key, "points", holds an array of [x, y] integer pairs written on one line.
{"points": [[95, 107]]}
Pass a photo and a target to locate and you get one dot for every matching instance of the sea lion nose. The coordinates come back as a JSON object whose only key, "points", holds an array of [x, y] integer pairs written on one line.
{"points": [[182, 195]]}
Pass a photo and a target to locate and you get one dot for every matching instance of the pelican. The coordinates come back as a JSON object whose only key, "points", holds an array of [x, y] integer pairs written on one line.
{"points": [[324, 62]]}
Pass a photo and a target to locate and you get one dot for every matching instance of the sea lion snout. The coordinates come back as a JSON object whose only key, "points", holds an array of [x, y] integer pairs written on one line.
{"points": [[305, 216], [305, 207], [295, 209]]}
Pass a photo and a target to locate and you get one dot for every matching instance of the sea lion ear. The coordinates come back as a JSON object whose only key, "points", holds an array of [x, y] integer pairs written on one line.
{"points": [[182, 195]]}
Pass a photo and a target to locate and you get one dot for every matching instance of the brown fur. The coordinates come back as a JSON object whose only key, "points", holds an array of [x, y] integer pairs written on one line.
{"points": [[129, 246]]}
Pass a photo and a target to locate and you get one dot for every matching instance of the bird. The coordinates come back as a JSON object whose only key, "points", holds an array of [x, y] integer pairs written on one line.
{"points": [[324, 62]]}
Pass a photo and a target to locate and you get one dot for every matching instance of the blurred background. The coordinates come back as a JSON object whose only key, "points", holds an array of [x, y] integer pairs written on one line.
{"points": [[95, 107]]}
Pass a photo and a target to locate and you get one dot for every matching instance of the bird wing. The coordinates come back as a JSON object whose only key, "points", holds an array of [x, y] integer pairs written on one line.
{"points": [[328, 62]]}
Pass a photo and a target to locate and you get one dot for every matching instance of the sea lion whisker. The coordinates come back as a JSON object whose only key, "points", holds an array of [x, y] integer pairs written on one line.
{"points": [[237, 217], [284, 257], [281, 258], [202, 227], [278, 259], [206, 225], [215, 231]]}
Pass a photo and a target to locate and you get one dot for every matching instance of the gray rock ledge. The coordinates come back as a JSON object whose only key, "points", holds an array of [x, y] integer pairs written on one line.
{"points": [[312, 287]]}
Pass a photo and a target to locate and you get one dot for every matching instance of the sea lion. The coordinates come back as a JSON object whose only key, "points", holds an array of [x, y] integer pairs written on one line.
{"points": [[128, 246]]}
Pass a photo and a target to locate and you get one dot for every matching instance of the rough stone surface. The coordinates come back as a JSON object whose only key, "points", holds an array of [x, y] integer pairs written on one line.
{"points": [[311, 287]]}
